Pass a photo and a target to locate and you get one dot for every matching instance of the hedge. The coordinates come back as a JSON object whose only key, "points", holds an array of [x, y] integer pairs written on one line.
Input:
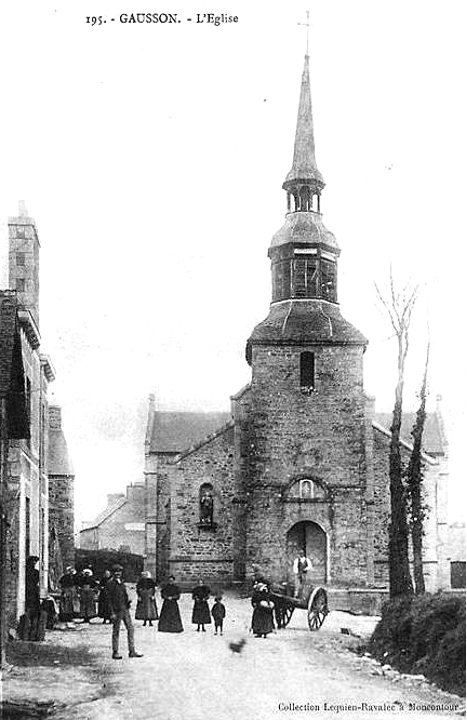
{"points": [[424, 635], [100, 560]]}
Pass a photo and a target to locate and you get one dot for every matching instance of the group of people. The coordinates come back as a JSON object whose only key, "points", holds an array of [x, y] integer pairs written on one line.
{"points": [[81, 593], [170, 619]]}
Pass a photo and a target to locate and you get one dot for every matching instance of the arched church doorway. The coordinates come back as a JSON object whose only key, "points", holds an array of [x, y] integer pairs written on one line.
{"points": [[310, 538]]}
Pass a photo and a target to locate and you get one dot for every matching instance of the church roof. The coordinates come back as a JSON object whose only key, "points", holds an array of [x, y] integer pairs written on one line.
{"points": [[174, 432], [304, 322], [304, 228], [304, 165], [432, 434]]}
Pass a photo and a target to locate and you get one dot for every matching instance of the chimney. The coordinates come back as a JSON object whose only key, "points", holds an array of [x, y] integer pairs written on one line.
{"points": [[135, 493], [24, 260]]}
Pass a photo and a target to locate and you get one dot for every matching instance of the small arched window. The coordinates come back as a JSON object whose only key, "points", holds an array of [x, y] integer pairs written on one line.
{"points": [[206, 504], [307, 371], [306, 489]]}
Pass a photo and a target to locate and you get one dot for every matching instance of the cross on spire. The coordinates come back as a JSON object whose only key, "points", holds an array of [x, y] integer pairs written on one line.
{"points": [[307, 25]]}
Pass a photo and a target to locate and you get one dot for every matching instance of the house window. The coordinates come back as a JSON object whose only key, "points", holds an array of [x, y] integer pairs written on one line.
{"points": [[28, 398], [307, 371], [42, 431], [42, 538], [20, 284], [20, 259], [27, 533]]}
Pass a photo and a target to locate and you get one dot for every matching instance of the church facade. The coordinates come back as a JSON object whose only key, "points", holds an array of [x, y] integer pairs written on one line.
{"points": [[301, 462]]}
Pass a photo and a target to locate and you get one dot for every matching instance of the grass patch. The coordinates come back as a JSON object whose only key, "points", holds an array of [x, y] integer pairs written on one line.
{"points": [[424, 635]]}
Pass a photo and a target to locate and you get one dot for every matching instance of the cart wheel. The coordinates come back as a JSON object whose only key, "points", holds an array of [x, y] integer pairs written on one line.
{"points": [[287, 614], [317, 608]]}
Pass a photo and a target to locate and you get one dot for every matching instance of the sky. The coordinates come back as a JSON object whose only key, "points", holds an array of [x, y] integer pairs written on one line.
{"points": [[152, 158]]}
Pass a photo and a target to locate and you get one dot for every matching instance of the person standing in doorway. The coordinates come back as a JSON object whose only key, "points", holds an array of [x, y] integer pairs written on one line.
{"points": [[119, 602], [301, 566]]}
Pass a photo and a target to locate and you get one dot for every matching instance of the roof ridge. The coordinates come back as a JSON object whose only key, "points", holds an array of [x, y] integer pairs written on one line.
{"points": [[106, 513], [207, 439], [408, 446]]}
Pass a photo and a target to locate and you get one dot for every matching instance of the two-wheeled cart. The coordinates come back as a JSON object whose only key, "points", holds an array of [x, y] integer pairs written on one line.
{"points": [[314, 600]]}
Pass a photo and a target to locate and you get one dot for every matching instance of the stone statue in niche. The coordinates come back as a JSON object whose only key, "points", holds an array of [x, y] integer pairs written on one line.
{"points": [[206, 508]]}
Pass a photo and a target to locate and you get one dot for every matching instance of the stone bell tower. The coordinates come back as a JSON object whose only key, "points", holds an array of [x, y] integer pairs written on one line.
{"points": [[306, 489]]}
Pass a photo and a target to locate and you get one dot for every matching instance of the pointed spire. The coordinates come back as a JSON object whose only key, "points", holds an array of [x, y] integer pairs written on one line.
{"points": [[304, 166]]}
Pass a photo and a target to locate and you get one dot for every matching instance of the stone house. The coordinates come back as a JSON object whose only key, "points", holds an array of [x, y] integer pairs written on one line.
{"points": [[301, 461], [61, 499], [14, 425], [121, 526], [25, 478]]}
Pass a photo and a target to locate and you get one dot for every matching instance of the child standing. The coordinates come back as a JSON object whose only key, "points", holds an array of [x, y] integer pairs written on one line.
{"points": [[218, 614]]}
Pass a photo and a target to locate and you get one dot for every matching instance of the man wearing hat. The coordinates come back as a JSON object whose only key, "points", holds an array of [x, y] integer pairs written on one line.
{"points": [[120, 610]]}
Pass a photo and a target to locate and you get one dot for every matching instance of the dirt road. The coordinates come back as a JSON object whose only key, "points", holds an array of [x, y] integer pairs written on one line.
{"points": [[290, 674]]}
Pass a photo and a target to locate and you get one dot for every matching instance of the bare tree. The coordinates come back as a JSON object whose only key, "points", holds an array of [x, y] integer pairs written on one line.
{"points": [[415, 480], [399, 306]]}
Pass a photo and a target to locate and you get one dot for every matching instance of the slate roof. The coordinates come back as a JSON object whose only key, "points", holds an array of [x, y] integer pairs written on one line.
{"points": [[304, 322], [58, 459], [304, 165], [174, 432], [105, 514], [304, 227], [432, 434]]}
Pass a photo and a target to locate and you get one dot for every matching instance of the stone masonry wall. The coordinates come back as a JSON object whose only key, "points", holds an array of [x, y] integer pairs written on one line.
{"points": [[61, 515], [158, 528], [320, 435], [198, 551]]}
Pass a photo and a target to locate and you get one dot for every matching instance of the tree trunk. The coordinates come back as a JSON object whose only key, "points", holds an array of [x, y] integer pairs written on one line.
{"points": [[400, 582], [399, 307], [415, 479]]}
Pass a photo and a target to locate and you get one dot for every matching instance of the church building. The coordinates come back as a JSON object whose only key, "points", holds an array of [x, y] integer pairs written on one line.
{"points": [[301, 461]]}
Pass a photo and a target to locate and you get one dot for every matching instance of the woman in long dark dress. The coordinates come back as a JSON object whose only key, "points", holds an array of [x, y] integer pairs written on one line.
{"points": [[103, 606], [262, 621], [170, 620], [146, 608], [69, 595], [201, 615], [87, 595]]}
